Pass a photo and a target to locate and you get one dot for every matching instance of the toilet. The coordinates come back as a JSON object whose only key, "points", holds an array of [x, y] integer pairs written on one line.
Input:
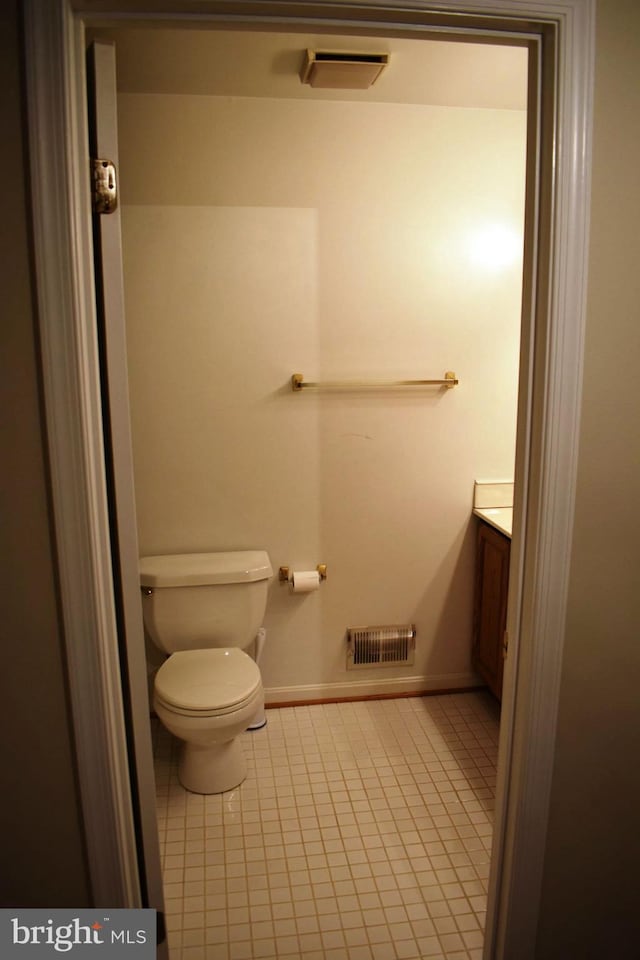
{"points": [[205, 610]]}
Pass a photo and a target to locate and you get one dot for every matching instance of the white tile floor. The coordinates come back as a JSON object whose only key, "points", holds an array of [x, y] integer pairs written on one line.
{"points": [[362, 832]]}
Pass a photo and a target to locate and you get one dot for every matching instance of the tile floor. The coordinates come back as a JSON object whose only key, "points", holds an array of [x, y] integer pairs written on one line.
{"points": [[362, 832]]}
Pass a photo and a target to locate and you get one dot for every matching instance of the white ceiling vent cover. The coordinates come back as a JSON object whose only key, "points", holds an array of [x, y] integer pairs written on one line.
{"points": [[342, 71], [380, 646]]}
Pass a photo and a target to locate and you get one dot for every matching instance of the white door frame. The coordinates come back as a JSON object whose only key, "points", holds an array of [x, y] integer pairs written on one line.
{"points": [[562, 34]]}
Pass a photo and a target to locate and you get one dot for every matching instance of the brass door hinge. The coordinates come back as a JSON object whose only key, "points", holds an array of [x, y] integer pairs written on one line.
{"points": [[505, 645], [104, 186]]}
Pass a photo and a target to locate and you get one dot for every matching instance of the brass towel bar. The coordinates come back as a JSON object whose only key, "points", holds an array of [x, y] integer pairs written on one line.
{"points": [[299, 383]]}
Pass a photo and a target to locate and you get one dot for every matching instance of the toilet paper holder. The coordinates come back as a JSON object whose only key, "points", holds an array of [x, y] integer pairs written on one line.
{"points": [[285, 573]]}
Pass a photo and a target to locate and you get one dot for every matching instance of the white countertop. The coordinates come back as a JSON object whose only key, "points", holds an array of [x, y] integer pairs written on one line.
{"points": [[499, 517]]}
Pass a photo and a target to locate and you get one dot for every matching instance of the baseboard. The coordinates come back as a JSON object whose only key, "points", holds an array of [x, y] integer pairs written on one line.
{"points": [[371, 689]]}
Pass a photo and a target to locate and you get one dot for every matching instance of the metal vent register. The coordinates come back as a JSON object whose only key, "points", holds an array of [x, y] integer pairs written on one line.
{"points": [[380, 646]]}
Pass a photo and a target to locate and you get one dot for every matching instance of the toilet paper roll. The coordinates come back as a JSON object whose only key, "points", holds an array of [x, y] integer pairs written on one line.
{"points": [[305, 581]]}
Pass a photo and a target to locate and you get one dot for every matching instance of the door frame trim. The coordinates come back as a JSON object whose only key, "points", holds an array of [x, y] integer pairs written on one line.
{"points": [[551, 384], [64, 275]]}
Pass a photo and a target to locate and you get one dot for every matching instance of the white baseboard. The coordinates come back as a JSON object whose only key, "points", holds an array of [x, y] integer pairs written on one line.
{"points": [[356, 689]]}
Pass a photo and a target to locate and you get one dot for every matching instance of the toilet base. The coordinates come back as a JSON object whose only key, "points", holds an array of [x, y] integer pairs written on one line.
{"points": [[212, 768], [259, 720]]}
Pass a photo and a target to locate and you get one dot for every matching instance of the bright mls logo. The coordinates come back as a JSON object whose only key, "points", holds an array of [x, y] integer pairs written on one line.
{"points": [[97, 934]]}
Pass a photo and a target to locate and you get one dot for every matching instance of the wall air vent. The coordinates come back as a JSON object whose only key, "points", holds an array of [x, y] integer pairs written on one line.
{"points": [[342, 71], [380, 646]]}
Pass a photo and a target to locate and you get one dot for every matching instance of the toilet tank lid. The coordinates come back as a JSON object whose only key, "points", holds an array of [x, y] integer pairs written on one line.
{"points": [[200, 569]]}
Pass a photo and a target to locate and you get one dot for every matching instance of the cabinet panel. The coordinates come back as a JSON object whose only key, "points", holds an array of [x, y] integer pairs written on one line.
{"points": [[490, 605]]}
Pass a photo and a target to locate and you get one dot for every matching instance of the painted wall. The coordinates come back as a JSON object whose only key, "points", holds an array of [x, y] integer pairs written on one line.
{"points": [[43, 846], [339, 240], [590, 904]]}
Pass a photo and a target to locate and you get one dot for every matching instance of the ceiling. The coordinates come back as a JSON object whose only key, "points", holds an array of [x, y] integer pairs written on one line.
{"points": [[248, 63]]}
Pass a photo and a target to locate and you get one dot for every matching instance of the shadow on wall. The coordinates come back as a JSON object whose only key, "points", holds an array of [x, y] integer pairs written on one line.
{"points": [[439, 610]]}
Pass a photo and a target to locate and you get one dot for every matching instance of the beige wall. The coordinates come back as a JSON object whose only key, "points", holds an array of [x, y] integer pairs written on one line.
{"points": [[590, 901], [266, 237], [42, 841]]}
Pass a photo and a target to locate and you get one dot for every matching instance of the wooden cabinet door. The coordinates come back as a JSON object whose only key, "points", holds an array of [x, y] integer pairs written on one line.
{"points": [[490, 605]]}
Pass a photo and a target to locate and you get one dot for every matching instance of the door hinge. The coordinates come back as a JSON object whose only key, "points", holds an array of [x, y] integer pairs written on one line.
{"points": [[104, 186], [505, 645]]}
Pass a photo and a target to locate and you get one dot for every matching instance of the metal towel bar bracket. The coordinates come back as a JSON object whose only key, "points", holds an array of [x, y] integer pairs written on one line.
{"points": [[299, 383]]}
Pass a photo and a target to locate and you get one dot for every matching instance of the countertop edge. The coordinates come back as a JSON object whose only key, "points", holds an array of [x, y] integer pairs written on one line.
{"points": [[499, 517]]}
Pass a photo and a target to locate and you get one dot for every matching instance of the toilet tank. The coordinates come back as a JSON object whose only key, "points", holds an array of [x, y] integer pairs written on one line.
{"points": [[196, 601]]}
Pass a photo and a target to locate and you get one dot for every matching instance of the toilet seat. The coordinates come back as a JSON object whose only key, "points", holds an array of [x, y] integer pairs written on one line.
{"points": [[207, 683]]}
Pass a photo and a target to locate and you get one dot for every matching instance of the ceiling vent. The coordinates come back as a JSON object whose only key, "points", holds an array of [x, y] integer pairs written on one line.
{"points": [[342, 71]]}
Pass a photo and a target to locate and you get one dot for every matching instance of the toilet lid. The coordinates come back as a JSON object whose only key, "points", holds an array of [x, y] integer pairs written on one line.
{"points": [[207, 681]]}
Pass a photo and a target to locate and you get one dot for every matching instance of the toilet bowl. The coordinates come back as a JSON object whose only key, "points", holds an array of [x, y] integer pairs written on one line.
{"points": [[206, 698], [205, 610]]}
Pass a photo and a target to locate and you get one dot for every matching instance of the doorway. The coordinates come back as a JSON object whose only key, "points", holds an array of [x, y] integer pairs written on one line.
{"points": [[540, 521], [268, 227]]}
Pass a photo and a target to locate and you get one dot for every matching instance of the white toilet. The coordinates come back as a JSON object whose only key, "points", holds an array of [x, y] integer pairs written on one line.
{"points": [[205, 610]]}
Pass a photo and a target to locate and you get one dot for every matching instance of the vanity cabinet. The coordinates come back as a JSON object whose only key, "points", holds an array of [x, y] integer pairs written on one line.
{"points": [[490, 605]]}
